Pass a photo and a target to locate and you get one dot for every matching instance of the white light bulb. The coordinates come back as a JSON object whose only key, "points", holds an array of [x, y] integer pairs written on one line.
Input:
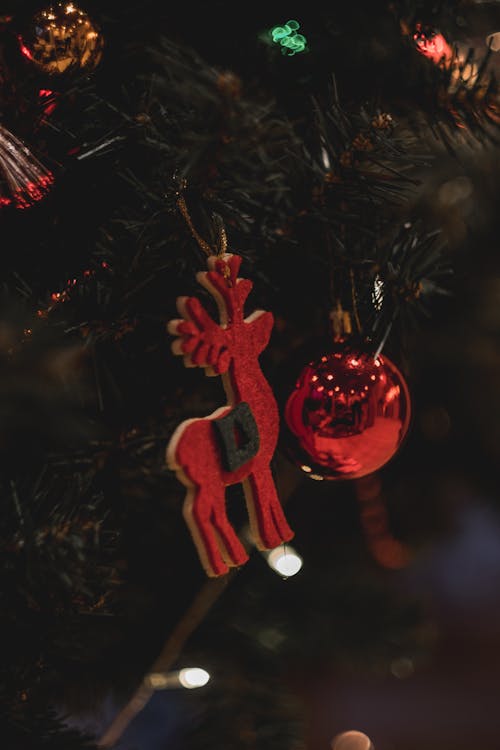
{"points": [[325, 158], [193, 677], [493, 41], [352, 741], [285, 561]]}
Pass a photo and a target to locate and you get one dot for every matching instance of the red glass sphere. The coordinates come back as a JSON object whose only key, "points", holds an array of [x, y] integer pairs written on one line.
{"points": [[348, 414]]}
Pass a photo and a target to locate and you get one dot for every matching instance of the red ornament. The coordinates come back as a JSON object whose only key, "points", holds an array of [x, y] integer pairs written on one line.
{"points": [[234, 444], [432, 44], [347, 415]]}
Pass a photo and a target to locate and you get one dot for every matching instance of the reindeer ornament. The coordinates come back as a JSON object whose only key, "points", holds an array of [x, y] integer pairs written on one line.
{"points": [[234, 444]]}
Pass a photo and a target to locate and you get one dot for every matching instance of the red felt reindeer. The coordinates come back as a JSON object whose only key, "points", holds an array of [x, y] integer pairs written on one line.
{"points": [[236, 442]]}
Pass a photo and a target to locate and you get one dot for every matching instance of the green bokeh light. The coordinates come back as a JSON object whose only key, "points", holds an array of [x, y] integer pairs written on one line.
{"points": [[287, 37]]}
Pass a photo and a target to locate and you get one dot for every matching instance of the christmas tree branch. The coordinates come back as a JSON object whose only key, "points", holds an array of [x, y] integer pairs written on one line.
{"points": [[202, 603]]}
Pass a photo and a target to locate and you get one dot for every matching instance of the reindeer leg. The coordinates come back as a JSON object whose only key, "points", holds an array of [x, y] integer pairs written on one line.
{"points": [[267, 521], [234, 552], [199, 515]]}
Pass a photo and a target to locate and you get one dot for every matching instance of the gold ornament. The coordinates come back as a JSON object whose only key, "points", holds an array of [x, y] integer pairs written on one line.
{"points": [[62, 39]]}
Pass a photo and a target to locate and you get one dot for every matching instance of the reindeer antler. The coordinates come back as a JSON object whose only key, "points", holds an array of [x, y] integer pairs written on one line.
{"points": [[201, 341]]}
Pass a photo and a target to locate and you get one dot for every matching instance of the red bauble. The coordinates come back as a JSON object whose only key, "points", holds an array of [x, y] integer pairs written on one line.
{"points": [[348, 414], [432, 44]]}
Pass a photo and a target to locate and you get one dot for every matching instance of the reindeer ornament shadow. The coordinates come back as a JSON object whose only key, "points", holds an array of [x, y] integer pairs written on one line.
{"points": [[234, 444]]}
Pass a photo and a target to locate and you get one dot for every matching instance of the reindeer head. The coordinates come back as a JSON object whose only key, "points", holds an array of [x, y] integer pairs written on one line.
{"points": [[205, 343], [229, 291]]}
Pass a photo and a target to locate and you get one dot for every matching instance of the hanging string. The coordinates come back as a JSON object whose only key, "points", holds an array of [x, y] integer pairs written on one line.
{"points": [[354, 300], [221, 235], [221, 247], [207, 249]]}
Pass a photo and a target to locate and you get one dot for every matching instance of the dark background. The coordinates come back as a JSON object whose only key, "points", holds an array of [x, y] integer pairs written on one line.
{"points": [[408, 655]]}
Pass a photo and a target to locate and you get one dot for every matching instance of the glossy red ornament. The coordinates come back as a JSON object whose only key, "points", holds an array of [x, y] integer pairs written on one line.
{"points": [[348, 414]]}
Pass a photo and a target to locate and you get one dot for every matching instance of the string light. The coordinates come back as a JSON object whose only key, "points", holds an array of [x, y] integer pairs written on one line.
{"points": [[284, 560], [352, 740], [189, 677], [493, 41], [193, 677], [57, 297]]}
